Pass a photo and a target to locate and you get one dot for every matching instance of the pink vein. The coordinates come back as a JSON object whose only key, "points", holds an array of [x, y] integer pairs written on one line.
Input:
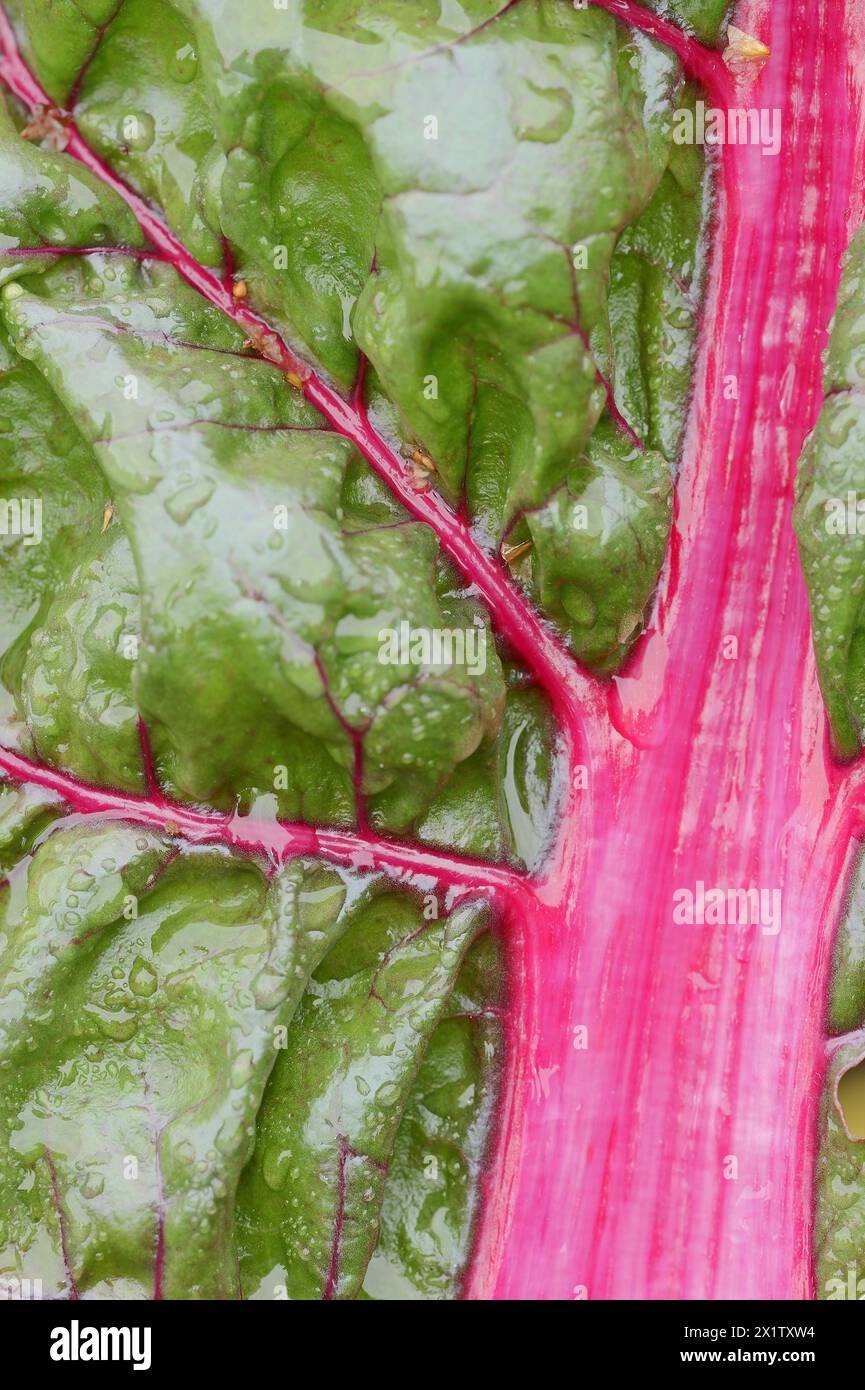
{"points": [[697, 59], [336, 1242], [101, 30], [277, 840], [136, 252], [61, 1218], [151, 781]]}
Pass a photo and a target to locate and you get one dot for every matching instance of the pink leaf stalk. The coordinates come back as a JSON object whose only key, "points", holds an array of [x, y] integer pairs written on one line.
{"points": [[658, 1117], [672, 1155]]}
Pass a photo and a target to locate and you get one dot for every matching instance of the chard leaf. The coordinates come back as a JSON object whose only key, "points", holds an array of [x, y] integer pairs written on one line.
{"points": [[840, 1226], [142, 993], [500, 803], [434, 1173], [309, 1203], [702, 17], [25, 812], [847, 998], [598, 544], [64, 595], [839, 1235], [49, 200], [505, 288], [829, 489], [243, 542]]}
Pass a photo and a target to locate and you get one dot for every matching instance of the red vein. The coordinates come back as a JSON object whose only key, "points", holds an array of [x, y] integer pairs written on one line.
{"points": [[699, 61], [101, 30], [278, 841], [57, 1199], [339, 1221], [136, 252], [151, 781]]}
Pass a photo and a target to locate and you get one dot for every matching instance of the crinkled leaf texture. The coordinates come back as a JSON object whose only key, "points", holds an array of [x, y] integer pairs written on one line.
{"points": [[840, 1227], [489, 204], [153, 1050], [829, 485], [829, 523], [220, 1077]]}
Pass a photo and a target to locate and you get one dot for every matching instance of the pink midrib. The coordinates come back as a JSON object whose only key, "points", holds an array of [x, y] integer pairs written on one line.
{"points": [[557, 1215]]}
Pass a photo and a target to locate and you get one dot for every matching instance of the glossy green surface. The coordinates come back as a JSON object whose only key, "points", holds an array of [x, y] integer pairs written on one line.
{"points": [[263, 589], [701, 17], [150, 1052], [434, 1172], [830, 513], [309, 1201], [840, 1227], [488, 204], [847, 998]]}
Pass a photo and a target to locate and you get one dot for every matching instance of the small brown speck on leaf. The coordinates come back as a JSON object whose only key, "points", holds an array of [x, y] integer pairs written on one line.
{"points": [[239, 289], [422, 460], [49, 126], [267, 344], [107, 517], [512, 553], [421, 467], [743, 52]]}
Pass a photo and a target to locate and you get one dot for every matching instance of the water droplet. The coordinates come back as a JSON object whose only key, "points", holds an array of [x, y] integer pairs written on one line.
{"points": [[230, 1137], [93, 1185], [185, 63], [388, 1094], [119, 1027], [182, 504], [142, 978], [242, 1067], [274, 1167], [270, 989]]}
